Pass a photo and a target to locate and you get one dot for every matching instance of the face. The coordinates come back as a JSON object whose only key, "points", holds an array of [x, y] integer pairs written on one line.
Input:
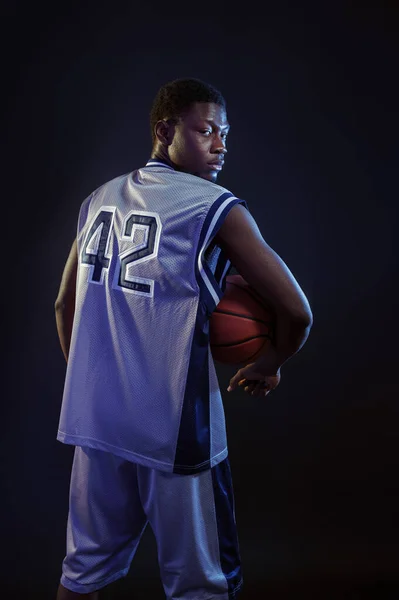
{"points": [[198, 140]]}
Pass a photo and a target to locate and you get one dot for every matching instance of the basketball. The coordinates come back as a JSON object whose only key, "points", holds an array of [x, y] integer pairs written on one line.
{"points": [[241, 326]]}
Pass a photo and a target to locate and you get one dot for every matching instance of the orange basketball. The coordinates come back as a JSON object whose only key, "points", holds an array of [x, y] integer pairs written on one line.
{"points": [[241, 326]]}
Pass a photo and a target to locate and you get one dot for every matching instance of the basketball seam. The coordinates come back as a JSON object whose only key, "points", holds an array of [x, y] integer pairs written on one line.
{"points": [[254, 337], [258, 299], [234, 314]]}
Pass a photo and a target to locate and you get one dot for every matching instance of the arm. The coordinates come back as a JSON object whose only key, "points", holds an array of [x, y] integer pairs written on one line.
{"points": [[65, 303], [242, 242]]}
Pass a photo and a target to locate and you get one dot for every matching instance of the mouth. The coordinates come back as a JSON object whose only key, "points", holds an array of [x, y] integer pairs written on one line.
{"points": [[217, 165]]}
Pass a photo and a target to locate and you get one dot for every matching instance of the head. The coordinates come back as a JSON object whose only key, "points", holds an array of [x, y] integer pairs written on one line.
{"points": [[189, 127]]}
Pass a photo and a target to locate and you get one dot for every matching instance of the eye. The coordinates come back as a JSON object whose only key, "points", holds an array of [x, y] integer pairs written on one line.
{"points": [[206, 131]]}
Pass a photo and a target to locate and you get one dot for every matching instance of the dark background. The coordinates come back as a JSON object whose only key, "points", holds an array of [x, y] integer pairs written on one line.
{"points": [[312, 100]]}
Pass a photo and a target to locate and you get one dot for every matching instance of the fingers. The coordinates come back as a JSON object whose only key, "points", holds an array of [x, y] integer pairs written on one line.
{"points": [[234, 381], [253, 387], [238, 379], [249, 385], [261, 389], [257, 388]]}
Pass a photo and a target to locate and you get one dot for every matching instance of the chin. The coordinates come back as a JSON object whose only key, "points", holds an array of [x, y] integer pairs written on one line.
{"points": [[211, 177]]}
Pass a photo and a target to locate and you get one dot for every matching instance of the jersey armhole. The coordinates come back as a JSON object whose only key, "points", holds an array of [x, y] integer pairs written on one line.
{"points": [[212, 281]]}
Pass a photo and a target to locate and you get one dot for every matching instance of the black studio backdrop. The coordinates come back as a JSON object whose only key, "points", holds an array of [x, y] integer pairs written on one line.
{"points": [[312, 101]]}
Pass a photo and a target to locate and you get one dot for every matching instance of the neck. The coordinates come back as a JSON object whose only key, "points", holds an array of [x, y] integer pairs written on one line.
{"points": [[161, 154]]}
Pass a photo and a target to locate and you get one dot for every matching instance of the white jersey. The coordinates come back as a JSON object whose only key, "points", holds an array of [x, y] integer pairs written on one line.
{"points": [[140, 380]]}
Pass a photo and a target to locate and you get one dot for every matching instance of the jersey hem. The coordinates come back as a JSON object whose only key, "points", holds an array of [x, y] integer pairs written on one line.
{"points": [[76, 440]]}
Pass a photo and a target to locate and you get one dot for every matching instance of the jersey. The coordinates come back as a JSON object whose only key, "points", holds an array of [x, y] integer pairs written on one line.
{"points": [[140, 380]]}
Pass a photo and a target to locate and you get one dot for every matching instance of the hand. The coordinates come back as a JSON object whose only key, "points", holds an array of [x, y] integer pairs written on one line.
{"points": [[253, 379]]}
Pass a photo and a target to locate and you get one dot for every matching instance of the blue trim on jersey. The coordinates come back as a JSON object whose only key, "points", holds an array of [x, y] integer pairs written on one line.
{"points": [[220, 267], [229, 552], [222, 270], [156, 162], [194, 441], [211, 290]]}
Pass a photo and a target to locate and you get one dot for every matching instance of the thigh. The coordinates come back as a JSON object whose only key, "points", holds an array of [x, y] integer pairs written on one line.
{"points": [[193, 519], [106, 520]]}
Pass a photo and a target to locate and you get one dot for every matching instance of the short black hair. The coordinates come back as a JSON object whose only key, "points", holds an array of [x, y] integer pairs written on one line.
{"points": [[175, 97]]}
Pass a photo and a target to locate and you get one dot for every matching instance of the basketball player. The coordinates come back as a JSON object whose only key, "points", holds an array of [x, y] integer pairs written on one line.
{"points": [[141, 401]]}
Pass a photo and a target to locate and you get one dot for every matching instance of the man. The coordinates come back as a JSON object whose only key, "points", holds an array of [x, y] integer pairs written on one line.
{"points": [[141, 400]]}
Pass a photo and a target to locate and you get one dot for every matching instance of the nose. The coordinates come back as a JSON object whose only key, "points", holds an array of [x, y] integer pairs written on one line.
{"points": [[219, 146]]}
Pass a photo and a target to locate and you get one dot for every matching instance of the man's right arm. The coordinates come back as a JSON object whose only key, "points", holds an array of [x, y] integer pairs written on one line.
{"points": [[261, 267]]}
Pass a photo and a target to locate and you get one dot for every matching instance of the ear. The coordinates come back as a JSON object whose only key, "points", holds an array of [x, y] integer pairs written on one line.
{"points": [[163, 132]]}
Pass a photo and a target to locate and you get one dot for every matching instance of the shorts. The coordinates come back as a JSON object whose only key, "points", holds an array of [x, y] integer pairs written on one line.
{"points": [[192, 517]]}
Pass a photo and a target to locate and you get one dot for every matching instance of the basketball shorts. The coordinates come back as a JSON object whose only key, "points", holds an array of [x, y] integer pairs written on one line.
{"points": [[192, 516]]}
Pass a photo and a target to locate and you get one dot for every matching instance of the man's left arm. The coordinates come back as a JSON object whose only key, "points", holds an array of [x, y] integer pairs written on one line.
{"points": [[65, 303]]}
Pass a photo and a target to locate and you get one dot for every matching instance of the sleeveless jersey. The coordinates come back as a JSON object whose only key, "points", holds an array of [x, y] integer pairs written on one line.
{"points": [[140, 380]]}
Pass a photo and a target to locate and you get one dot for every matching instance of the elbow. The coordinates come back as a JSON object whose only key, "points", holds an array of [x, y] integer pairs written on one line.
{"points": [[59, 305], [303, 314], [306, 320], [301, 320]]}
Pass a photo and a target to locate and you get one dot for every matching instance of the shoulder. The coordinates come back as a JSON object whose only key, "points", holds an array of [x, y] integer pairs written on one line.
{"points": [[116, 182], [206, 188], [111, 184], [215, 189]]}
